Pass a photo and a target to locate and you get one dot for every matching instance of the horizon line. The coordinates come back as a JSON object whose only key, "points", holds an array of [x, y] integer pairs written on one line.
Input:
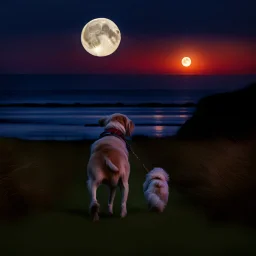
{"points": [[118, 104], [129, 74]]}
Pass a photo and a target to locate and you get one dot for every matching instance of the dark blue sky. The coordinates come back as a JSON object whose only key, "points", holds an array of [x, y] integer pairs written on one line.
{"points": [[234, 17], [43, 36]]}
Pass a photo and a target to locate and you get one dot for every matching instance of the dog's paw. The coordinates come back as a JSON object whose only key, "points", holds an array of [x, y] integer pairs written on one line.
{"points": [[94, 210], [95, 217], [110, 213], [123, 212], [110, 209]]}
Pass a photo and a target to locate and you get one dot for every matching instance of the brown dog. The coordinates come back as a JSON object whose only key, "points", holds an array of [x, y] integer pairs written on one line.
{"points": [[109, 162]]}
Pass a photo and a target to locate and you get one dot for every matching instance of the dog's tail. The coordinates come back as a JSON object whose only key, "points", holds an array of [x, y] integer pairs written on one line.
{"points": [[155, 203], [111, 166]]}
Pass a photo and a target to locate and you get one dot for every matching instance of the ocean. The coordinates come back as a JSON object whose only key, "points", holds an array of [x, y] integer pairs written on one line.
{"points": [[68, 122]]}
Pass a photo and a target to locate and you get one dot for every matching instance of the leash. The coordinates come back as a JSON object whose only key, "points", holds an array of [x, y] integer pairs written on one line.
{"points": [[130, 149], [116, 133]]}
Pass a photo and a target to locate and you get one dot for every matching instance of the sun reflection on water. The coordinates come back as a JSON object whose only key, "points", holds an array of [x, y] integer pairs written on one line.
{"points": [[183, 116], [158, 117], [159, 131]]}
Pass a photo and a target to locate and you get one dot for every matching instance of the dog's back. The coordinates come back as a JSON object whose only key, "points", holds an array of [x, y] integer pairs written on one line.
{"points": [[108, 161]]}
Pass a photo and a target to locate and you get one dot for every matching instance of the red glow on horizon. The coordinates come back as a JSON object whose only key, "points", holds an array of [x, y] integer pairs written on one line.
{"points": [[65, 54]]}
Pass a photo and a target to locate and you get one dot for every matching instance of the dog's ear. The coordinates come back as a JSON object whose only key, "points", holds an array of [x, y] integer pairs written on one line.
{"points": [[130, 128], [103, 121]]}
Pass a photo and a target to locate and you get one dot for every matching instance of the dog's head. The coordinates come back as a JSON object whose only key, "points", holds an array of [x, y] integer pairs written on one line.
{"points": [[118, 121], [159, 173]]}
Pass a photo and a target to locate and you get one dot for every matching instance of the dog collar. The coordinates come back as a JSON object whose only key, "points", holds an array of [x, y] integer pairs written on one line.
{"points": [[117, 133]]}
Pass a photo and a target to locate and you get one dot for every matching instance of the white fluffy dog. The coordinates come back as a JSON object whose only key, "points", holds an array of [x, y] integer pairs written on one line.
{"points": [[156, 189]]}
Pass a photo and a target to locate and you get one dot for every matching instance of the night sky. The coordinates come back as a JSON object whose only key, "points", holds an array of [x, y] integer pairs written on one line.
{"points": [[43, 37]]}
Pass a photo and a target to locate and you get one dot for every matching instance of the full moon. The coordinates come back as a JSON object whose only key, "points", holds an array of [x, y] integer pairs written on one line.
{"points": [[100, 37], [186, 61]]}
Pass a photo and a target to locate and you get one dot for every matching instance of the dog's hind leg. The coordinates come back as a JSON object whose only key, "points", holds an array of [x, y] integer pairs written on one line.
{"points": [[125, 192], [94, 205], [112, 193]]}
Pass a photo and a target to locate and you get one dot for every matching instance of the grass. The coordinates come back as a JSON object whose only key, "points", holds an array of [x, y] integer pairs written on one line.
{"points": [[55, 180]]}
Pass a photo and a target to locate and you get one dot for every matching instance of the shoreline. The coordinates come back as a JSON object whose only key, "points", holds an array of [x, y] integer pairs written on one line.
{"points": [[11, 121], [57, 105], [134, 139]]}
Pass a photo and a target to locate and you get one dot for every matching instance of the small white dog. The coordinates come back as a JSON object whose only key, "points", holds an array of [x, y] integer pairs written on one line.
{"points": [[156, 189], [109, 163]]}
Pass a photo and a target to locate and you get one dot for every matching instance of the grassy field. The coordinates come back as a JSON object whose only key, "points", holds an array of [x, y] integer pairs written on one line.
{"points": [[55, 180]]}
